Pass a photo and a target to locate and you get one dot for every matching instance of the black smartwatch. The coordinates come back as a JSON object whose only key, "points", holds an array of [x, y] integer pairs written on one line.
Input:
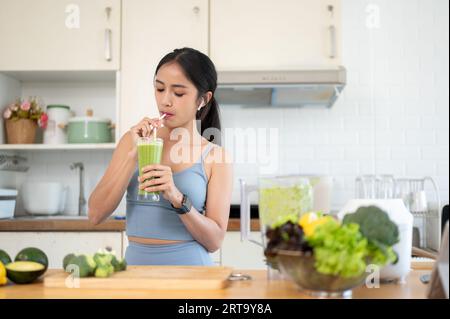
{"points": [[186, 206]]}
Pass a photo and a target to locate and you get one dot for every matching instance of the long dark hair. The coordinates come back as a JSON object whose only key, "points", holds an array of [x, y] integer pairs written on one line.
{"points": [[200, 70]]}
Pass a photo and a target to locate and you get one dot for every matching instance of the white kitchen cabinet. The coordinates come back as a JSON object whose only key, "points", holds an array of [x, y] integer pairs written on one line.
{"points": [[151, 29], [59, 35], [242, 255], [275, 35], [56, 245]]}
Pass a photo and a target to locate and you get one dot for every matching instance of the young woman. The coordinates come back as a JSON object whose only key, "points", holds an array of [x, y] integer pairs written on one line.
{"points": [[191, 217]]}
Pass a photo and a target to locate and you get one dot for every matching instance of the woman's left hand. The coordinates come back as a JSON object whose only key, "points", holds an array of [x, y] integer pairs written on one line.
{"points": [[158, 178]]}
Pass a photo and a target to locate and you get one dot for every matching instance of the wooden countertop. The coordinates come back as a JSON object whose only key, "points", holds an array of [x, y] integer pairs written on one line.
{"points": [[257, 288], [54, 224]]}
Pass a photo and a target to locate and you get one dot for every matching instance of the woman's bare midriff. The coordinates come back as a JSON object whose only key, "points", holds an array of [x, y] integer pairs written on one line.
{"points": [[152, 241]]}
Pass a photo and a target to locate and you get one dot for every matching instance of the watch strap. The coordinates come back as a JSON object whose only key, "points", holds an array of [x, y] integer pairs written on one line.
{"points": [[186, 206]]}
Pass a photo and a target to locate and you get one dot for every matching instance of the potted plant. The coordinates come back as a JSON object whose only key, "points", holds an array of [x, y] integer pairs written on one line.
{"points": [[22, 118]]}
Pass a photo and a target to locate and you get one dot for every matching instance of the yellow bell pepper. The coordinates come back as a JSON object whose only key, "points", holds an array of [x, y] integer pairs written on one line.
{"points": [[310, 221], [3, 279]]}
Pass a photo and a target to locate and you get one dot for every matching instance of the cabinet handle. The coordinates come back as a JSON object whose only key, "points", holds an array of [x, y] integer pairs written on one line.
{"points": [[196, 10], [108, 12], [108, 34], [332, 30]]}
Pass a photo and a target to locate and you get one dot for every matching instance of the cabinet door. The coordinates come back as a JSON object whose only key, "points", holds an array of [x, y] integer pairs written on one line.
{"points": [[56, 245], [242, 255], [275, 35], [59, 35], [150, 30]]}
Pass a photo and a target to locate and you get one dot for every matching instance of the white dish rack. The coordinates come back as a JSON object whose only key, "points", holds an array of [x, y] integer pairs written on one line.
{"points": [[13, 163]]}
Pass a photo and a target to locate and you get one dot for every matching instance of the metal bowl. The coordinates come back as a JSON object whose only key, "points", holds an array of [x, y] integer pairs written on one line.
{"points": [[299, 267]]}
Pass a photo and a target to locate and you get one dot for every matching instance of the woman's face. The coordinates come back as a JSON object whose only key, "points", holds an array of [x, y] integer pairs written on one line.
{"points": [[175, 95]]}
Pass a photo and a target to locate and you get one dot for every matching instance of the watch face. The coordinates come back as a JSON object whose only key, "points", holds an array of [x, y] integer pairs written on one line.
{"points": [[187, 205]]}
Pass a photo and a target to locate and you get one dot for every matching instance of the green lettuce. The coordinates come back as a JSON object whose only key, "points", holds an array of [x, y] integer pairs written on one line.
{"points": [[339, 250]]}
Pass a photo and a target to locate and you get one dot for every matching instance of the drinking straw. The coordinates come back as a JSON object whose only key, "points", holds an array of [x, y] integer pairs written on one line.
{"points": [[155, 128]]}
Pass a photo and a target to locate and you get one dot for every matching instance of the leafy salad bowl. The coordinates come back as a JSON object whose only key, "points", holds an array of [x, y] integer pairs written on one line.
{"points": [[300, 268], [328, 257]]}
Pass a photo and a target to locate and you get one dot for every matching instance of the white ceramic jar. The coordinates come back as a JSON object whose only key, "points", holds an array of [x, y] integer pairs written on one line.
{"points": [[56, 131], [399, 215]]}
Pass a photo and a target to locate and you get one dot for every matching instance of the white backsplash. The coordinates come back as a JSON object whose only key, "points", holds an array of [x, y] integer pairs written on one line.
{"points": [[99, 96], [54, 166], [393, 116]]}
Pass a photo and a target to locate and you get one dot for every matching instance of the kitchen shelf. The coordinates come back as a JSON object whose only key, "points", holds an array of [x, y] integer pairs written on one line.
{"points": [[24, 147], [62, 76]]}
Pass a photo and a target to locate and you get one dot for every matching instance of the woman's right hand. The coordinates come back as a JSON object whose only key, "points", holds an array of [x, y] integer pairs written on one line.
{"points": [[144, 128]]}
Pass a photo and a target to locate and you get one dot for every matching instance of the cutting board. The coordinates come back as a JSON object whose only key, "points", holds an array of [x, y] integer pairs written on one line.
{"points": [[148, 277]]}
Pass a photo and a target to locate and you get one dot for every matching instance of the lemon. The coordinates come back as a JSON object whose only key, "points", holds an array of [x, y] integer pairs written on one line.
{"points": [[3, 279]]}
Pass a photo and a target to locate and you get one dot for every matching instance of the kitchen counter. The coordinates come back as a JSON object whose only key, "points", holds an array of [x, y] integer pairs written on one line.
{"points": [[59, 224], [257, 288], [68, 223]]}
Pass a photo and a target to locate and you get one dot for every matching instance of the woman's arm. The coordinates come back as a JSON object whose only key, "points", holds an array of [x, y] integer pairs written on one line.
{"points": [[109, 191], [210, 229]]}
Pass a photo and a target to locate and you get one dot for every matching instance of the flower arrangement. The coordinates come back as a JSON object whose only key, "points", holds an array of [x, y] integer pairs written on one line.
{"points": [[26, 109]]}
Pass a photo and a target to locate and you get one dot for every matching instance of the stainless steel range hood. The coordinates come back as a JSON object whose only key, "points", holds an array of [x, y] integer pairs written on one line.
{"points": [[302, 88]]}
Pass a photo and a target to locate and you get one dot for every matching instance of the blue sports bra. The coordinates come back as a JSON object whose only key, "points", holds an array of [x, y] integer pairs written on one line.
{"points": [[158, 219]]}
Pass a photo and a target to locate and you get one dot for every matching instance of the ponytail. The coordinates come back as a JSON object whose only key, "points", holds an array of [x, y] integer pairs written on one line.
{"points": [[209, 117]]}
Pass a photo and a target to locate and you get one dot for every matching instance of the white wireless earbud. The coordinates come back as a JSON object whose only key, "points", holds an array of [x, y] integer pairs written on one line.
{"points": [[201, 104]]}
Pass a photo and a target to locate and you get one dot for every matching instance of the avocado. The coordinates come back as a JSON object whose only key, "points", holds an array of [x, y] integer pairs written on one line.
{"points": [[4, 257], [33, 254], [24, 272]]}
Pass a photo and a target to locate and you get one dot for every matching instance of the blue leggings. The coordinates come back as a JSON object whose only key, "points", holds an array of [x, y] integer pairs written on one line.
{"points": [[184, 253]]}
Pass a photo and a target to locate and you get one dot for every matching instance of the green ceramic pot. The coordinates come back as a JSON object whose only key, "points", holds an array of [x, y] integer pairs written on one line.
{"points": [[89, 130]]}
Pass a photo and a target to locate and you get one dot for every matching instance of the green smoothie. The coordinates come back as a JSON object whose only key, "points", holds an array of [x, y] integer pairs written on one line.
{"points": [[149, 152]]}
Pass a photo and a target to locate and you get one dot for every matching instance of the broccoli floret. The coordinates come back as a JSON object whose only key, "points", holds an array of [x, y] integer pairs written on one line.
{"points": [[123, 265], [375, 225], [379, 230], [104, 271]]}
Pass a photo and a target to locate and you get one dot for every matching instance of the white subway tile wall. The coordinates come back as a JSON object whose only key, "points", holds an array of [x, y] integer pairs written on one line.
{"points": [[393, 114], [54, 166], [392, 118], [80, 96]]}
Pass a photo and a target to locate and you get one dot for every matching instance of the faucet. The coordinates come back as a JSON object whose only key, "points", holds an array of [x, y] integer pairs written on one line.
{"points": [[81, 199]]}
